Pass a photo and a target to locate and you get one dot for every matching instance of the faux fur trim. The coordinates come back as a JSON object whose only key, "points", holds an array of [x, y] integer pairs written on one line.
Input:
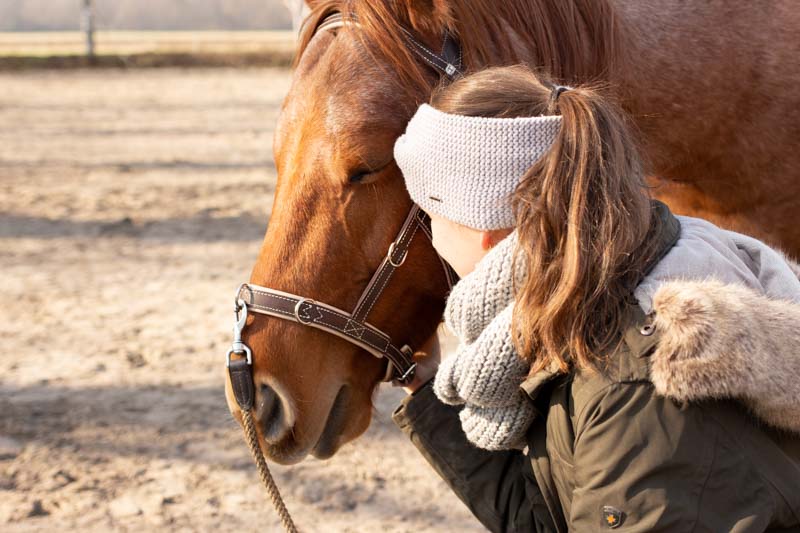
{"points": [[721, 340]]}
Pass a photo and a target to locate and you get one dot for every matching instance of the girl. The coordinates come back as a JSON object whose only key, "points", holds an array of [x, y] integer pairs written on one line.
{"points": [[619, 366]]}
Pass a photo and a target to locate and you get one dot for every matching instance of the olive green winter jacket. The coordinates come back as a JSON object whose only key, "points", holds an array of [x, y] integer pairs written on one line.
{"points": [[625, 448]]}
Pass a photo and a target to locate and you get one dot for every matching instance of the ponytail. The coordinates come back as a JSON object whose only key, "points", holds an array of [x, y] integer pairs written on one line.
{"points": [[582, 211], [583, 218]]}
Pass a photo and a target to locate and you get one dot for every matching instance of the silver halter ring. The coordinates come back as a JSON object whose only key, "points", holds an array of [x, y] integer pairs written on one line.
{"points": [[300, 302]]}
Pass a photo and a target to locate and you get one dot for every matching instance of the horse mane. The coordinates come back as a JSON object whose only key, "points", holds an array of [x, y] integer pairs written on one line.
{"points": [[570, 40]]}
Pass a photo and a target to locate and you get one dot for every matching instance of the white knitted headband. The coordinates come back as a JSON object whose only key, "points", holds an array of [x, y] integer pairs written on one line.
{"points": [[465, 168]]}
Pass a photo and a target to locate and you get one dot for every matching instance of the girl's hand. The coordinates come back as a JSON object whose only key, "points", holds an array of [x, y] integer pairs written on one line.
{"points": [[427, 358]]}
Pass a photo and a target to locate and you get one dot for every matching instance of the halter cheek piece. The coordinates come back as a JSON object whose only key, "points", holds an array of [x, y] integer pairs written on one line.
{"points": [[351, 326]]}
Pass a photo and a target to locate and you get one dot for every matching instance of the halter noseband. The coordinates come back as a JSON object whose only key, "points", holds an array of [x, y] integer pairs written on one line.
{"points": [[352, 326]]}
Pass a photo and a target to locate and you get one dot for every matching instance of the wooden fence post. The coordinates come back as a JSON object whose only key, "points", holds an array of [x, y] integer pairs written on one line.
{"points": [[87, 25]]}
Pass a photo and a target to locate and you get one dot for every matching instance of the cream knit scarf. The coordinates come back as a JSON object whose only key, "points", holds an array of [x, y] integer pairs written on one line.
{"points": [[485, 372]]}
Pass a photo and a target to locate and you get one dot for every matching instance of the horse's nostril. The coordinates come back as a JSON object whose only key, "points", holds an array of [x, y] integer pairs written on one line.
{"points": [[270, 414]]}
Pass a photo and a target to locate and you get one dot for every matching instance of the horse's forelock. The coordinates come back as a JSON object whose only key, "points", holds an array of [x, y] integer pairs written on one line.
{"points": [[572, 40]]}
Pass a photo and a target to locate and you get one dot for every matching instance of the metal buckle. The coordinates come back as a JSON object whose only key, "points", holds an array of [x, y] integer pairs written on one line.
{"points": [[300, 302], [390, 256], [408, 374], [238, 346]]}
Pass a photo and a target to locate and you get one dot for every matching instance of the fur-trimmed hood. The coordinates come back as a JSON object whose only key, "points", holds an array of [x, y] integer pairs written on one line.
{"points": [[720, 340], [731, 332]]}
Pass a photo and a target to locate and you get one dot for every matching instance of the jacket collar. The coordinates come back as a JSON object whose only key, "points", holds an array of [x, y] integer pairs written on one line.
{"points": [[708, 340], [668, 232]]}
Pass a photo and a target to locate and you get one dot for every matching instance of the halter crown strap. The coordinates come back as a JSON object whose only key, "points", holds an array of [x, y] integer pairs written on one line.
{"points": [[447, 62], [332, 21]]}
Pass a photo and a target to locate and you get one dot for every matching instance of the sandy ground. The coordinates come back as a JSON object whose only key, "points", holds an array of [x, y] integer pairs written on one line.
{"points": [[131, 205]]}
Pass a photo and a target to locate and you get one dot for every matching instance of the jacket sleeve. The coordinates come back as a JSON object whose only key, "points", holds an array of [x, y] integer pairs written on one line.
{"points": [[663, 466], [498, 487]]}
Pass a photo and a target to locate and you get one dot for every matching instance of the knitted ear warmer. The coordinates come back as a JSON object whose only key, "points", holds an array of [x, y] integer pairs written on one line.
{"points": [[465, 168]]}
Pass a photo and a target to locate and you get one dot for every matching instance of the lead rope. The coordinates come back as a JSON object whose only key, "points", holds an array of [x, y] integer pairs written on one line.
{"points": [[240, 368], [263, 471], [240, 371]]}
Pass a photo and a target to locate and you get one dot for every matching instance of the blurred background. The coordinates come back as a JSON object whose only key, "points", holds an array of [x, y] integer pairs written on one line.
{"points": [[150, 15], [60, 15], [136, 182], [56, 33]]}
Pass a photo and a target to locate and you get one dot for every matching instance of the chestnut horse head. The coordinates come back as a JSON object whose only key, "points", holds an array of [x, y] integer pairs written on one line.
{"points": [[340, 200]]}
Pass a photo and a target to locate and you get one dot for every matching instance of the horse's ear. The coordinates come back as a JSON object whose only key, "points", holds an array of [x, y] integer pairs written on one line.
{"points": [[430, 16]]}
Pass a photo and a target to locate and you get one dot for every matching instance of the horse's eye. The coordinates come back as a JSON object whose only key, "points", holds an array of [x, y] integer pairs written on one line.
{"points": [[368, 174], [358, 177]]}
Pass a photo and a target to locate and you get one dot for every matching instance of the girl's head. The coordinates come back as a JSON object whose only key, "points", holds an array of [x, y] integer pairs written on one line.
{"points": [[579, 206]]}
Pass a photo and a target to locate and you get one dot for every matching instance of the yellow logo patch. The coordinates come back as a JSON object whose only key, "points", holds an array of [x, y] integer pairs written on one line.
{"points": [[612, 517]]}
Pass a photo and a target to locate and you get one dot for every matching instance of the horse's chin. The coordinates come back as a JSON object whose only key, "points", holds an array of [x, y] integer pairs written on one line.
{"points": [[331, 437], [289, 451], [284, 455]]}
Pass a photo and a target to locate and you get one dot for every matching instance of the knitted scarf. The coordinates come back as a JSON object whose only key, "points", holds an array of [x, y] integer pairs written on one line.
{"points": [[485, 372]]}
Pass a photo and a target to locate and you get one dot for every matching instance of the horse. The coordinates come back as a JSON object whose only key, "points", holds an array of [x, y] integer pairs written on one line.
{"points": [[710, 86]]}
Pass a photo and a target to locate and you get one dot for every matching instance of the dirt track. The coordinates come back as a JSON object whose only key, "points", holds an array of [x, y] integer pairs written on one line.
{"points": [[131, 204]]}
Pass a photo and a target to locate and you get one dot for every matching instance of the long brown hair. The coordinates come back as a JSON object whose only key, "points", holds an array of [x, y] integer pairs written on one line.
{"points": [[583, 215]]}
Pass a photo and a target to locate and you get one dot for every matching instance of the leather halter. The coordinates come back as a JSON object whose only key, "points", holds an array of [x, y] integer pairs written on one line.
{"points": [[352, 326]]}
